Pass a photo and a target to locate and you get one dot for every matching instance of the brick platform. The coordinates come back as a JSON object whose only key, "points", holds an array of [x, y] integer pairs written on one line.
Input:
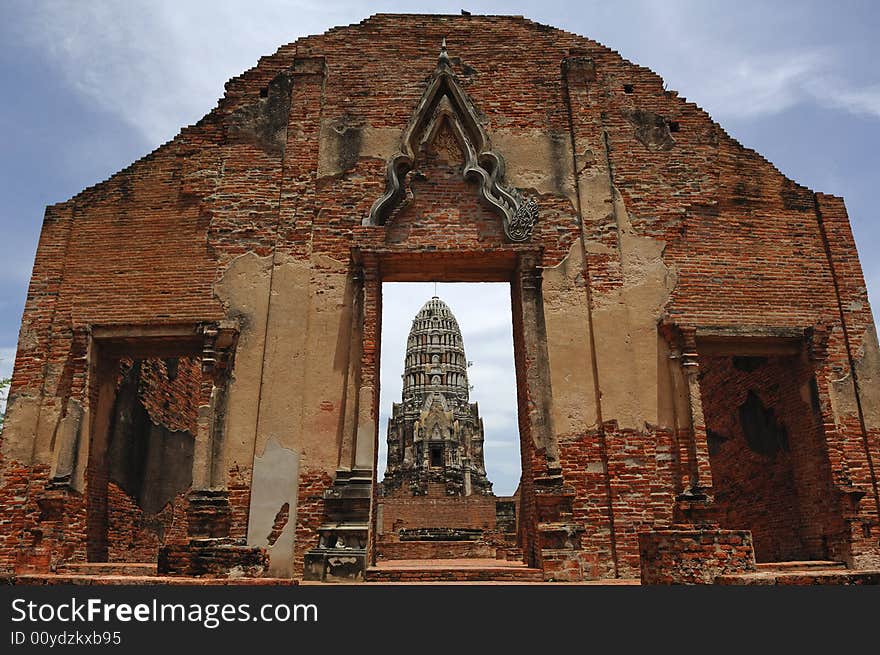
{"points": [[117, 580], [687, 555], [472, 570]]}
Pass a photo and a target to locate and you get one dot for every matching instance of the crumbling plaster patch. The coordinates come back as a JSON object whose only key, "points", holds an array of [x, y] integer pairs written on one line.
{"points": [[275, 483], [22, 414], [304, 372], [568, 345], [625, 323], [244, 292], [537, 160], [868, 372], [344, 141]]}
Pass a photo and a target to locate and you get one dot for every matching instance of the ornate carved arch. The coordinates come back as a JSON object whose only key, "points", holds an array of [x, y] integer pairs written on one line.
{"points": [[444, 101]]}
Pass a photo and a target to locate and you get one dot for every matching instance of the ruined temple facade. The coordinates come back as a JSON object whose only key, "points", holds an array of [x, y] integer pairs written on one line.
{"points": [[196, 385], [435, 435]]}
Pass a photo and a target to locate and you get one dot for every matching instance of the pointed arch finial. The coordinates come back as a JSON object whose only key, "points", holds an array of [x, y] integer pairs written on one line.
{"points": [[444, 100]]}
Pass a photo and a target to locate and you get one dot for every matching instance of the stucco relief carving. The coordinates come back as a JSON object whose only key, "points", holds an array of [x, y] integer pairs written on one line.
{"points": [[445, 103]]}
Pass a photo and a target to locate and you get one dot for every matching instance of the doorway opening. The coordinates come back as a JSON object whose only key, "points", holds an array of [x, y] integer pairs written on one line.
{"points": [[770, 470], [448, 463], [144, 400]]}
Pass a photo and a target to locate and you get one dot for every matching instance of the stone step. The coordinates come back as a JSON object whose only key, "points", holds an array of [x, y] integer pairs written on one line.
{"points": [[472, 570], [41, 579], [108, 568], [804, 565], [513, 554], [803, 577], [432, 550]]}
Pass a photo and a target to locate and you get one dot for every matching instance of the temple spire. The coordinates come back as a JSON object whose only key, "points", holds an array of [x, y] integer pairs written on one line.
{"points": [[435, 433]]}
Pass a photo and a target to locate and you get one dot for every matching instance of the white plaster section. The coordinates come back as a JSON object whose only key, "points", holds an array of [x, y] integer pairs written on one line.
{"points": [[366, 430], [306, 364], [67, 440], [244, 292], [632, 376], [374, 142], [566, 315], [19, 427], [868, 370], [536, 160], [275, 482]]}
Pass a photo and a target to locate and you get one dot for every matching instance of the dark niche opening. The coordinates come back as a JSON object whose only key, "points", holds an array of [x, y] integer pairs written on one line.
{"points": [[763, 432], [150, 461], [436, 455]]}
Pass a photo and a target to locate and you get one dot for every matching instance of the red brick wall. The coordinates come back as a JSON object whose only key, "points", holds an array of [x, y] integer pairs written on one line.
{"points": [[171, 403], [134, 535], [640, 476], [46, 529], [238, 483], [309, 514]]}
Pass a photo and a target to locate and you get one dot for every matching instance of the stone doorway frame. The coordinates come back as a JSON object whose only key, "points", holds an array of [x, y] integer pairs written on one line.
{"points": [[520, 268], [347, 538], [212, 343]]}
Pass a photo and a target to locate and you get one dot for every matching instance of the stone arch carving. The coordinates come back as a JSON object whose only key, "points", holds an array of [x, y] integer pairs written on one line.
{"points": [[445, 102]]}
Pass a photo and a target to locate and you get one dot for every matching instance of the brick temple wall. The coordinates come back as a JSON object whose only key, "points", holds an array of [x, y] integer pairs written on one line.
{"points": [[664, 216], [136, 536]]}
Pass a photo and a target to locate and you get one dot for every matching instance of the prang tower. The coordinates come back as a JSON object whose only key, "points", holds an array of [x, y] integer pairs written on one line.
{"points": [[435, 435]]}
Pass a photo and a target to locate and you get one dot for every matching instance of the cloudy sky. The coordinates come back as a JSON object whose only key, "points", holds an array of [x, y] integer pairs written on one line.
{"points": [[90, 86]]}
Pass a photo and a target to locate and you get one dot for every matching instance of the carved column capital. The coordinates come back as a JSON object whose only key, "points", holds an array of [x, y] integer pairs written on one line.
{"points": [[218, 350], [690, 356], [529, 271]]}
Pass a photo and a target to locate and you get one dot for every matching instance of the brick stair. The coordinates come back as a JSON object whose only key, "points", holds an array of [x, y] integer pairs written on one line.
{"points": [[806, 565], [431, 550], [816, 572], [467, 570], [108, 568], [128, 573]]}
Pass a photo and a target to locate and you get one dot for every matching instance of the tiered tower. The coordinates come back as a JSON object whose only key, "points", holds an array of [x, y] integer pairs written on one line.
{"points": [[435, 436]]}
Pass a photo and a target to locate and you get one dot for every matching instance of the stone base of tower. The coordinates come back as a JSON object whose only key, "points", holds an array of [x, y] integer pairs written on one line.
{"points": [[446, 528], [209, 550]]}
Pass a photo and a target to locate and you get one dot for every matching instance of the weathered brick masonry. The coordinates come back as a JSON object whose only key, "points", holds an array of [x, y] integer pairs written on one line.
{"points": [[695, 353]]}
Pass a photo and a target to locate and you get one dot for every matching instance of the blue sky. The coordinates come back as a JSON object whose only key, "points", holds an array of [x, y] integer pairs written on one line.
{"points": [[89, 86]]}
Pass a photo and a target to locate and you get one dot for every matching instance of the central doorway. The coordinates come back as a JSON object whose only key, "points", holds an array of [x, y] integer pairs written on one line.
{"points": [[517, 267], [448, 464]]}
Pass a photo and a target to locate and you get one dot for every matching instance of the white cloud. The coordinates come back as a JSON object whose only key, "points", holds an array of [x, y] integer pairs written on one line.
{"points": [[741, 64], [832, 92], [161, 64]]}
